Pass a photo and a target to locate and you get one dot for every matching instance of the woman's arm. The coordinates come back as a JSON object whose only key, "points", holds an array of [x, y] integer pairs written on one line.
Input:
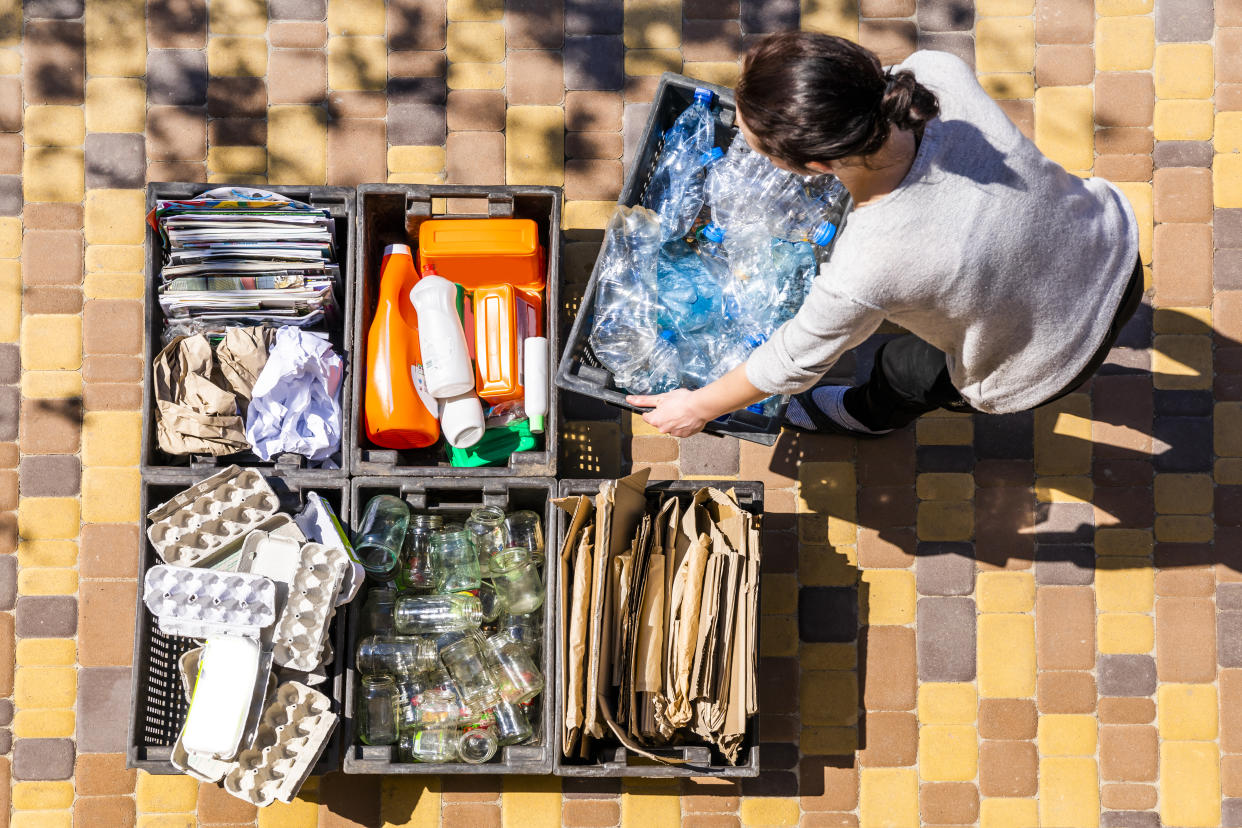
{"points": [[683, 412]]}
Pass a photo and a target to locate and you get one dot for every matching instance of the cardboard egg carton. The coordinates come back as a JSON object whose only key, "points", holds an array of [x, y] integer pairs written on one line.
{"points": [[202, 602], [292, 733], [208, 518], [204, 766]]}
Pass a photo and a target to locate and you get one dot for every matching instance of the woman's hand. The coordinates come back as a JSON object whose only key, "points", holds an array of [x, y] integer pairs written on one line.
{"points": [[673, 412]]}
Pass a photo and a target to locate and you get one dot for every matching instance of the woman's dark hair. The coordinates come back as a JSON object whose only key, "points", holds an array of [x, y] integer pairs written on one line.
{"points": [[813, 97]]}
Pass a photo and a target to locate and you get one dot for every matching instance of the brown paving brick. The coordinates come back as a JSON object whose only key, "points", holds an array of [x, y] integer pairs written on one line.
{"points": [[237, 132], [949, 803], [475, 157], [471, 789], [357, 151], [892, 40], [606, 145], [535, 76], [176, 24], [52, 257], [10, 105], [891, 668], [8, 533], [237, 97], [54, 62], [1060, 22], [889, 548], [1192, 582], [1066, 691], [476, 109], [594, 180], [1229, 97], [1183, 264], [416, 24], [357, 105], [1007, 768], [1065, 628], [715, 40], [62, 300], [1230, 688], [106, 606], [113, 811], [108, 550], [1228, 307], [297, 34], [659, 449], [177, 171], [1128, 753], [1182, 154], [892, 740], [51, 426], [1124, 140], [10, 154], [103, 774], [827, 785], [1007, 719], [884, 507], [887, 8], [112, 326], [1185, 647], [1124, 167], [1231, 775], [1228, 58], [48, 475], [176, 133], [591, 813], [710, 821], [470, 816], [102, 396], [592, 111], [1183, 194], [216, 805], [534, 24], [297, 76], [709, 9], [417, 64], [1124, 99], [1064, 65], [707, 795], [1228, 12], [1128, 797]]}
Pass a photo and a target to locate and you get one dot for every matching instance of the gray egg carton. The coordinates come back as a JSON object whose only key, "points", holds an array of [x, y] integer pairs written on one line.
{"points": [[202, 602], [294, 730], [228, 557], [205, 520], [308, 577]]}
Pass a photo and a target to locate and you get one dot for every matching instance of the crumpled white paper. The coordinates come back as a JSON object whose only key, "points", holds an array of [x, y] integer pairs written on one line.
{"points": [[295, 404]]}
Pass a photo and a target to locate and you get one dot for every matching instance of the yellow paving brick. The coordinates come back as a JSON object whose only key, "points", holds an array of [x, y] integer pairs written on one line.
{"points": [[114, 258], [303, 812], [722, 73], [116, 39], [237, 160], [531, 802], [1184, 528], [945, 486], [357, 63], [948, 753], [47, 518], [111, 438], [1125, 585], [890, 596], [297, 140], [762, 810], [53, 174], [1227, 180], [647, 802], [1183, 120], [116, 105], [183, 820], [474, 10], [1190, 784], [54, 126], [113, 286], [46, 652], [779, 594], [1008, 813], [888, 797], [587, 215], [1125, 633], [1139, 194], [828, 741], [161, 794], [417, 178], [1067, 735], [241, 17], [34, 553], [942, 520], [1124, 44], [1185, 320], [946, 703], [1063, 436], [814, 655], [535, 145], [1068, 792], [43, 687], [825, 565], [1131, 542], [1065, 126], [115, 217], [44, 724], [942, 431], [47, 582], [834, 17], [476, 42], [42, 819], [1181, 361], [405, 802], [52, 342], [416, 159], [39, 796], [651, 24], [1227, 136], [1228, 472], [110, 495], [640, 62], [1005, 591], [1006, 655], [51, 385], [827, 488], [237, 57], [1004, 44], [779, 636], [829, 697], [10, 300], [476, 76], [1064, 489], [1183, 494], [10, 60], [10, 238], [1187, 712], [1116, 7], [1008, 86], [1004, 8], [1183, 70]]}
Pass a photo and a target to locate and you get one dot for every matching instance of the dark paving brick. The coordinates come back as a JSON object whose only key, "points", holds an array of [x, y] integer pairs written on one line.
{"points": [[1229, 639], [1231, 813], [420, 124], [1129, 819], [54, 62], [778, 685], [594, 62], [40, 759], [8, 582], [705, 454], [1228, 505], [1126, 675], [63, 9], [709, 9], [10, 195], [103, 709], [115, 161], [999, 474], [1064, 564], [762, 16], [1187, 20], [961, 44], [945, 459], [236, 98], [1005, 436], [948, 16], [1229, 597], [47, 616], [10, 399], [10, 363], [1227, 269], [1227, 227], [575, 787], [297, 9], [1064, 522], [777, 783], [1168, 403], [1182, 444], [179, 24], [417, 24], [1121, 472], [6, 712], [945, 569], [593, 17], [946, 639], [1182, 154], [177, 77], [417, 90], [828, 614]]}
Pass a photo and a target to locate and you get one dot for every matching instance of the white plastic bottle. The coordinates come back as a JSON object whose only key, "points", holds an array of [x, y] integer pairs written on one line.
{"points": [[441, 338], [461, 420], [535, 369]]}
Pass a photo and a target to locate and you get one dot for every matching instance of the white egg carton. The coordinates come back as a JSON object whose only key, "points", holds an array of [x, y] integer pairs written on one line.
{"points": [[202, 602], [228, 557], [320, 524], [292, 734], [200, 523], [307, 577]]}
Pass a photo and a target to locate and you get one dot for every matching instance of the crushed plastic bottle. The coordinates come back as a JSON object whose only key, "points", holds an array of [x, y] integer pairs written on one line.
{"points": [[689, 291], [676, 188]]}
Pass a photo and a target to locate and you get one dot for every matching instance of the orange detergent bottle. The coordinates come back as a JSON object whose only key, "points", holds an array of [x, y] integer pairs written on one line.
{"points": [[398, 413], [478, 253], [503, 318]]}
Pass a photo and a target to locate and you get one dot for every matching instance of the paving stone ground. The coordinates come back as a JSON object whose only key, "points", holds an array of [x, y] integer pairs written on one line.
{"points": [[995, 621]]}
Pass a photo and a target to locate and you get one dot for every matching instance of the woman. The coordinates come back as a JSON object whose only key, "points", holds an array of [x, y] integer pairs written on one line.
{"points": [[1013, 277]]}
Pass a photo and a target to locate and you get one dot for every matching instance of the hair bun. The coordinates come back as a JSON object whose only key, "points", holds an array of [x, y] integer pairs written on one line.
{"points": [[907, 104]]}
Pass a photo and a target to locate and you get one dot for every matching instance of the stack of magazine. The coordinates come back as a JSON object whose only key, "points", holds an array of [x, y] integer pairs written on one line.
{"points": [[236, 256]]}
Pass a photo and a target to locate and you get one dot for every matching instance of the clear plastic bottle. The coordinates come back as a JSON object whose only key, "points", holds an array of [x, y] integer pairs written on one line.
{"points": [[689, 293], [425, 614], [417, 571], [675, 191]]}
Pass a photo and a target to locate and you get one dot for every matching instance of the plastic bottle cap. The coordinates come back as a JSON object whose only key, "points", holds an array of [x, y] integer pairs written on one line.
{"points": [[713, 232], [713, 155], [824, 234], [702, 95], [397, 248], [536, 425], [429, 269]]}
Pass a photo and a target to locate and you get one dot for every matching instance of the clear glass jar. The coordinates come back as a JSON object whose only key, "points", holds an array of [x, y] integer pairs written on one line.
{"points": [[489, 601], [417, 571], [435, 708], [520, 678], [477, 745], [377, 611], [526, 629], [525, 529], [516, 578], [455, 561], [380, 536], [426, 614], [376, 711], [467, 663], [396, 656], [409, 689], [511, 724], [486, 525], [429, 745]]}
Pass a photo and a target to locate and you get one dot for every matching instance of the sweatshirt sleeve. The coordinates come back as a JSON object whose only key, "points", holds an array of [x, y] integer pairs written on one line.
{"points": [[804, 348]]}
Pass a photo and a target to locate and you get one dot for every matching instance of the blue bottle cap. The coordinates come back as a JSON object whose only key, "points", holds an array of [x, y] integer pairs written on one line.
{"points": [[755, 340], [703, 95], [713, 232], [824, 234], [755, 408], [668, 336], [712, 156]]}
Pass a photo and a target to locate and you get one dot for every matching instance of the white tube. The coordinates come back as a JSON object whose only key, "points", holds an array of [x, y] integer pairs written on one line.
{"points": [[446, 360], [461, 420], [535, 369]]}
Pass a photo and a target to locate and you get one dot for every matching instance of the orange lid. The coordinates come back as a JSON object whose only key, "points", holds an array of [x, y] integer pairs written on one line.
{"points": [[472, 237]]}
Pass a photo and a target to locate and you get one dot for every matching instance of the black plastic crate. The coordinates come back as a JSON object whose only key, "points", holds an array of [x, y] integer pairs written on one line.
{"points": [[157, 700], [391, 214], [454, 499], [700, 760], [339, 201], [580, 371]]}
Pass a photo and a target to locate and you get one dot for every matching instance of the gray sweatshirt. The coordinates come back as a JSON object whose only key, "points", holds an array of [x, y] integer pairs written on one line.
{"points": [[987, 250]]}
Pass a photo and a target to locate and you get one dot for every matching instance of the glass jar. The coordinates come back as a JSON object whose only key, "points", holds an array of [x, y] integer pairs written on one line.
{"points": [[429, 745], [511, 724], [520, 678], [524, 529], [396, 656], [454, 560], [380, 536], [526, 629], [489, 601], [377, 612], [376, 712], [409, 689], [468, 665], [486, 526], [417, 571], [435, 708], [477, 745], [425, 614], [517, 581]]}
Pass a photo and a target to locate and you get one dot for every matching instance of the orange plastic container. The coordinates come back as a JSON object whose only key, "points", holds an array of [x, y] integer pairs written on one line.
{"points": [[503, 318], [478, 253], [397, 413]]}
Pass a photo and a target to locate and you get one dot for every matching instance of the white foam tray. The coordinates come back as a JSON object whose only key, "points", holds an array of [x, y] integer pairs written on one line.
{"points": [[199, 524]]}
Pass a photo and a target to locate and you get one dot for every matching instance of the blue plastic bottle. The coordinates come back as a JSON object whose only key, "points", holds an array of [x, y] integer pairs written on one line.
{"points": [[675, 192]]}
